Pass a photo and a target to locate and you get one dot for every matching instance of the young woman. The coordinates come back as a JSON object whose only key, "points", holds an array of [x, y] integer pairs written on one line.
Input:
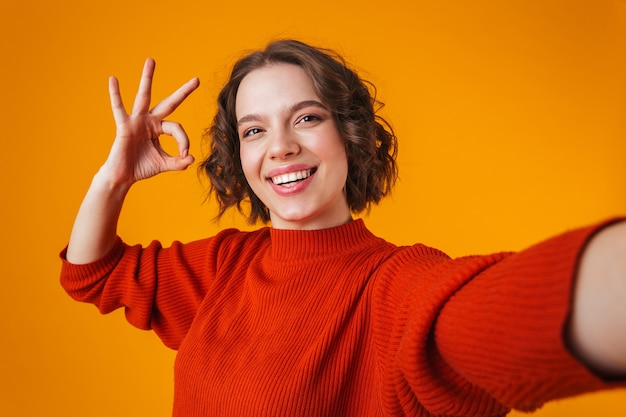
{"points": [[316, 316]]}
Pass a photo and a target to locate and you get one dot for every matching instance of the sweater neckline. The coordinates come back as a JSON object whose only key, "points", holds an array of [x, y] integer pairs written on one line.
{"points": [[299, 245]]}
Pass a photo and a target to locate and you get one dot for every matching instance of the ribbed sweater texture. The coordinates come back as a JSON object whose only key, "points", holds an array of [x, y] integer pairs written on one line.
{"points": [[339, 322]]}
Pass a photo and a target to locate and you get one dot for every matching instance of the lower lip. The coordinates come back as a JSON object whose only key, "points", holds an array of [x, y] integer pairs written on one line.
{"points": [[294, 189]]}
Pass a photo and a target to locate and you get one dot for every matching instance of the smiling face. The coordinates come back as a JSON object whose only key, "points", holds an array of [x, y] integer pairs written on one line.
{"points": [[292, 153]]}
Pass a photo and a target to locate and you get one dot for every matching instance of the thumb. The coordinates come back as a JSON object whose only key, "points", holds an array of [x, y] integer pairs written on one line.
{"points": [[179, 163]]}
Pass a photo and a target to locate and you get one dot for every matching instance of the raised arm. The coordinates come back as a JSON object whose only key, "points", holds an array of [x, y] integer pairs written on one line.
{"points": [[597, 329], [136, 154]]}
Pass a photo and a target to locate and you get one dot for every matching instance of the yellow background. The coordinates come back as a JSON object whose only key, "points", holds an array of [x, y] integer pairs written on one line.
{"points": [[510, 114]]}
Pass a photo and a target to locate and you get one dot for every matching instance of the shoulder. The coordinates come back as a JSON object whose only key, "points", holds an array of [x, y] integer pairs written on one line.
{"points": [[226, 241], [420, 272], [417, 257]]}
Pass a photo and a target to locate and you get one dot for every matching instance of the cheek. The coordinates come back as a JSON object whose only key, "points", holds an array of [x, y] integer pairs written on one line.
{"points": [[344, 167], [341, 159], [249, 164]]}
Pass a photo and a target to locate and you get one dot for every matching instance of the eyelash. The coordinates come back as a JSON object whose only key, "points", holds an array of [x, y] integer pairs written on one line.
{"points": [[311, 118], [252, 131], [304, 119]]}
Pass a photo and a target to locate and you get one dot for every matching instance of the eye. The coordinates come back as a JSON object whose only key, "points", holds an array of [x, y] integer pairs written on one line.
{"points": [[251, 132], [309, 118]]}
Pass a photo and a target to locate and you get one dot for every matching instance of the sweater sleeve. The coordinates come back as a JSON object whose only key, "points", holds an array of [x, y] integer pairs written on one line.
{"points": [[481, 335], [159, 288], [504, 329]]}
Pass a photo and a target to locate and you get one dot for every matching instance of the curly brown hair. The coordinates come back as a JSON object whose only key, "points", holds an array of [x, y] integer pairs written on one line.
{"points": [[371, 145]]}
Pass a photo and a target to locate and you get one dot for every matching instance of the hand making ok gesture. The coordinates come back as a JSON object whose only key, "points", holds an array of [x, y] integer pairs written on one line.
{"points": [[136, 153]]}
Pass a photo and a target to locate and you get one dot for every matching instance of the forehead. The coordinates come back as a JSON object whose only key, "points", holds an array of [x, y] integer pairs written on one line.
{"points": [[273, 87]]}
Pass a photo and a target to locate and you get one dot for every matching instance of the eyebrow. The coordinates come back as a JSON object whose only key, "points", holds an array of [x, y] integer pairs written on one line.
{"points": [[298, 106]]}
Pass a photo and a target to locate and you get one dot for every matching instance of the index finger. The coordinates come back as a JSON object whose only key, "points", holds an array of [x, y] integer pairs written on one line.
{"points": [[171, 103]]}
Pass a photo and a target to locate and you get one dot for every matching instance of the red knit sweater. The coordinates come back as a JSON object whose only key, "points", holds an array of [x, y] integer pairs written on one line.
{"points": [[338, 322]]}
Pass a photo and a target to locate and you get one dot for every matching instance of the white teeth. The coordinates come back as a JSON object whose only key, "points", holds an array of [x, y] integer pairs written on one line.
{"points": [[291, 177]]}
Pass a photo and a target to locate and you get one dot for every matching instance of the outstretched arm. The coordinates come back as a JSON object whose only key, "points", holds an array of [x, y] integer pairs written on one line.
{"points": [[136, 154], [597, 329]]}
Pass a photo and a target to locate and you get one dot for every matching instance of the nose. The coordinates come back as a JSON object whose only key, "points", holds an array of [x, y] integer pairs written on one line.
{"points": [[283, 144]]}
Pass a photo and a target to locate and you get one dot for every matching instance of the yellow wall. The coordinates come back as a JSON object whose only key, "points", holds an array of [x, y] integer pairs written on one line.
{"points": [[510, 114]]}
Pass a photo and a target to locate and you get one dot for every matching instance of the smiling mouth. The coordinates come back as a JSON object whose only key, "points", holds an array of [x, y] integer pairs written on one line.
{"points": [[288, 180]]}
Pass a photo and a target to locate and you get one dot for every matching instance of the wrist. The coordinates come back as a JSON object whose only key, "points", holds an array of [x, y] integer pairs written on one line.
{"points": [[110, 183]]}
